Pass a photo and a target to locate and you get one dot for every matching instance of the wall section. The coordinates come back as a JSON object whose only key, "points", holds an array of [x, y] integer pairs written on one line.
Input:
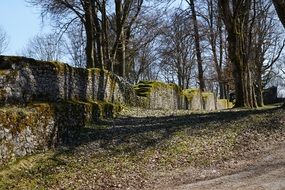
{"points": [[24, 80]]}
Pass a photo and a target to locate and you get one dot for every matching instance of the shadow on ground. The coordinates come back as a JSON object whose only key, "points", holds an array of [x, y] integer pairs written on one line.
{"points": [[137, 134]]}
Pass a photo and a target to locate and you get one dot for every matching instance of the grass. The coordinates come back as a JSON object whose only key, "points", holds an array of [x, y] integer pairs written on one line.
{"points": [[128, 152]]}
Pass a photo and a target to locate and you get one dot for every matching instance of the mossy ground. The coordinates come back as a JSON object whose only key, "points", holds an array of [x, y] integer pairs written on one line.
{"points": [[132, 151]]}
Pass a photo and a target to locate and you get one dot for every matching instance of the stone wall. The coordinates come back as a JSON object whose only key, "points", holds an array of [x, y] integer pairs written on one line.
{"points": [[197, 100], [22, 131], [44, 104], [40, 126], [194, 99], [223, 104], [158, 95], [24, 80], [209, 101]]}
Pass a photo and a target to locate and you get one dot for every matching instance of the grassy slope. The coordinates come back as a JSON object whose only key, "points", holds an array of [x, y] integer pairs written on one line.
{"points": [[131, 151]]}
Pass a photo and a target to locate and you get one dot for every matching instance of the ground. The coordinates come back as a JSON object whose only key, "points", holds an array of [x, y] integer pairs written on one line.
{"points": [[156, 149], [265, 171]]}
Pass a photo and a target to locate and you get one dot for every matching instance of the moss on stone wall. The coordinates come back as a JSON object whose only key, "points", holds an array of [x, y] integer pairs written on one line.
{"points": [[190, 93], [224, 104], [39, 126], [144, 88], [24, 130], [17, 119], [159, 95]]}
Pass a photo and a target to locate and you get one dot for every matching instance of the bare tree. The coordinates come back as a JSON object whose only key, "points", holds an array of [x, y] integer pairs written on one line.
{"points": [[142, 54], [266, 46], [215, 34], [197, 45], [74, 46], [102, 50], [3, 40], [45, 47], [178, 49], [144, 64], [64, 13]]}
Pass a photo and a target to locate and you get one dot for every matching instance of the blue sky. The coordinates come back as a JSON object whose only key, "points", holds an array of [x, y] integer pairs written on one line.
{"points": [[21, 22]]}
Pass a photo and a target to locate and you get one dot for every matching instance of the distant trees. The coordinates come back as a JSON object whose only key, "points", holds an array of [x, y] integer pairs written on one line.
{"points": [[215, 35], [267, 46], [253, 49], [143, 49], [74, 45], [3, 40], [46, 47], [177, 49]]}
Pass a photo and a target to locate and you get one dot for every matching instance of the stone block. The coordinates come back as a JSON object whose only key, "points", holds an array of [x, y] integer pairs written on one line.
{"points": [[208, 101], [159, 95]]}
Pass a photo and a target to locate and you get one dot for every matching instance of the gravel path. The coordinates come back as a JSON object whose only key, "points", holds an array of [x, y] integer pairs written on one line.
{"points": [[266, 172]]}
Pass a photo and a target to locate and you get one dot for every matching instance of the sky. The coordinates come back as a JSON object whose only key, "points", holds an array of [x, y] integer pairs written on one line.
{"points": [[21, 22]]}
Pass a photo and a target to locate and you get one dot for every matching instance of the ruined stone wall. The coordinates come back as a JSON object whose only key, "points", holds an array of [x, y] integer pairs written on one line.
{"points": [[223, 104], [24, 80], [158, 95], [43, 104], [40, 126], [22, 131], [197, 100]]}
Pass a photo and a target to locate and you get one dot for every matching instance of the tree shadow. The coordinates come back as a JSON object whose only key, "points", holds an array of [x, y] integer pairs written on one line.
{"points": [[132, 135]]}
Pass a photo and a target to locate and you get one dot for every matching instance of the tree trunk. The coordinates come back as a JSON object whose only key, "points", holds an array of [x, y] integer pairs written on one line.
{"points": [[236, 19], [90, 36], [222, 90], [98, 37], [106, 53], [237, 70], [280, 9], [259, 94], [197, 46], [122, 11]]}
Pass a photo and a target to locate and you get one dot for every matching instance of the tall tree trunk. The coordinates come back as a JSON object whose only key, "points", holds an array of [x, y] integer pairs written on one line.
{"points": [[280, 9], [98, 36], [118, 52], [222, 81], [197, 46], [237, 70], [236, 19], [259, 94], [216, 30], [121, 56], [90, 35], [106, 53]]}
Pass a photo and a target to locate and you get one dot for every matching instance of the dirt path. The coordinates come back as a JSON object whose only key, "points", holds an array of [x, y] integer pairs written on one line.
{"points": [[266, 172]]}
